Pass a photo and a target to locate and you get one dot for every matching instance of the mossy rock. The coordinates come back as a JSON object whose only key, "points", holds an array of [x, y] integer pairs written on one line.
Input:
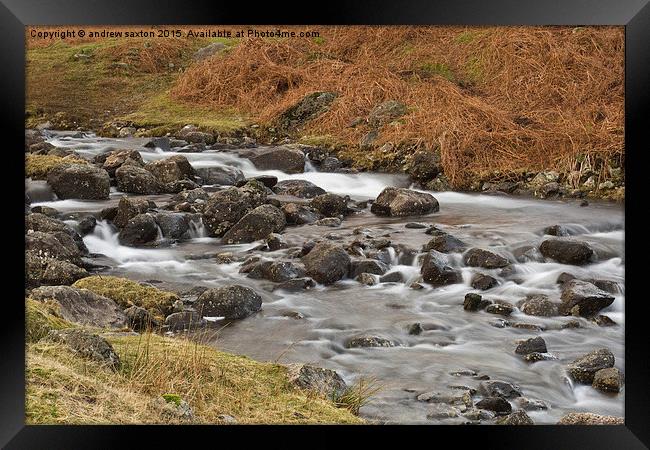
{"points": [[127, 293], [40, 319], [38, 166]]}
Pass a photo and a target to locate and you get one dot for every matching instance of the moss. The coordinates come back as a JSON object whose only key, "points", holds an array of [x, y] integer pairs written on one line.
{"points": [[127, 293], [172, 398], [323, 141], [40, 318], [429, 69], [38, 166]]}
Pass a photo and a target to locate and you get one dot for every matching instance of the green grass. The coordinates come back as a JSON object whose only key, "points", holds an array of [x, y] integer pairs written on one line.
{"points": [[429, 69]]}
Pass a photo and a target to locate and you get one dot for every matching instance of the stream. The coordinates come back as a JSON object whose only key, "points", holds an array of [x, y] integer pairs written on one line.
{"points": [[452, 339]]}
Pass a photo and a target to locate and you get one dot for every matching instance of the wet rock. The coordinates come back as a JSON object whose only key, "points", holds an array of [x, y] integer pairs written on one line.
{"points": [[366, 278], [299, 214], [276, 271], [174, 187], [325, 382], [477, 257], [399, 202], [171, 169], [529, 404], [139, 319], [498, 405], [298, 188], [257, 224], [557, 230], [82, 306], [516, 418], [606, 285], [230, 302], [415, 329], [608, 380], [330, 164], [603, 321], [327, 262], [369, 341], [589, 419], [297, 284], [502, 309], [564, 277], [192, 196], [567, 251], [137, 180], [368, 266], [279, 158], [127, 209], [50, 272], [222, 175], [483, 282], [163, 143], [329, 205], [87, 225], [115, 159], [79, 181], [527, 253], [445, 243], [45, 224], [495, 388], [275, 242], [45, 210], [184, 320], [538, 305], [536, 356], [329, 222], [580, 298], [393, 277], [225, 208], [536, 344], [139, 230], [479, 414], [439, 411], [435, 271], [46, 245], [474, 302], [416, 225], [172, 225], [87, 345], [108, 213], [267, 180], [584, 368]]}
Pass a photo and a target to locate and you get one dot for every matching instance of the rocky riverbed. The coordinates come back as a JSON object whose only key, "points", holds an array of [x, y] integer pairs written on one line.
{"points": [[465, 308]]}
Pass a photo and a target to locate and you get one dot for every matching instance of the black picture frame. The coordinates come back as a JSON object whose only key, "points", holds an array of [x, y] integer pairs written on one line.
{"points": [[633, 14]]}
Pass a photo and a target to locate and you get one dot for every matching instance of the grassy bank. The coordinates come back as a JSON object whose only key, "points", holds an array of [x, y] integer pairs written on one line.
{"points": [[63, 388]]}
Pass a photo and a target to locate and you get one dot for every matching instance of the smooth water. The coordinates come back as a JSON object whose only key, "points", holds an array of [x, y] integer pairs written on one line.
{"points": [[453, 339]]}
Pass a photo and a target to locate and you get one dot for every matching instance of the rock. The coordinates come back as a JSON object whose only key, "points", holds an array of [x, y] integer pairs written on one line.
{"points": [[502, 309], [87, 225], [139, 319], [369, 341], [276, 271], [393, 277], [230, 302], [498, 405], [479, 414], [325, 382], [79, 181], [606, 285], [386, 112], [225, 208], [527, 253], [608, 380], [137, 180], [329, 222], [127, 209], [399, 202], [221, 175], [556, 230], [257, 224], [477, 257], [306, 109], [538, 305], [516, 418], [285, 159], [424, 166], [564, 277], [584, 368], [184, 320], [329, 205], [366, 278], [298, 214], [536, 344], [567, 251], [327, 262], [297, 284], [583, 299], [46, 245], [173, 408], [192, 196], [435, 271], [163, 143], [415, 329], [115, 159], [589, 419], [275, 242], [209, 50], [474, 302], [495, 388], [50, 272], [267, 180], [82, 306], [139, 230], [603, 321], [87, 345], [330, 164], [483, 282], [45, 224], [444, 243], [171, 169], [529, 404], [172, 225], [175, 187], [442, 411], [416, 225], [372, 266], [298, 188], [46, 211]]}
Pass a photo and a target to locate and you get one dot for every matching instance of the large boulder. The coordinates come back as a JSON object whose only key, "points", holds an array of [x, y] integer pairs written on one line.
{"points": [[128, 208], [327, 262], [141, 229], [222, 175], [329, 205], [436, 272], [285, 159], [399, 202], [82, 181], [82, 306], [257, 224], [225, 208], [172, 225], [171, 169], [115, 159], [581, 298], [50, 245], [137, 180], [477, 257], [87, 345], [567, 251], [41, 222], [298, 188], [584, 368], [40, 270], [230, 302]]}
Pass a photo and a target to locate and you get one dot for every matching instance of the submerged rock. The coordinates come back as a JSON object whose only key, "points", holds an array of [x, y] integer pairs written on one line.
{"points": [[230, 302], [369, 341], [399, 202]]}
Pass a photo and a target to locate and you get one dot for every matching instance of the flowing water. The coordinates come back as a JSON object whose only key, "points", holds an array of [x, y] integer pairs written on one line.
{"points": [[452, 340]]}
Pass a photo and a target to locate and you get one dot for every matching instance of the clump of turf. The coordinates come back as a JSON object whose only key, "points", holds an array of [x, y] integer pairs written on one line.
{"points": [[38, 166], [40, 319], [127, 293]]}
